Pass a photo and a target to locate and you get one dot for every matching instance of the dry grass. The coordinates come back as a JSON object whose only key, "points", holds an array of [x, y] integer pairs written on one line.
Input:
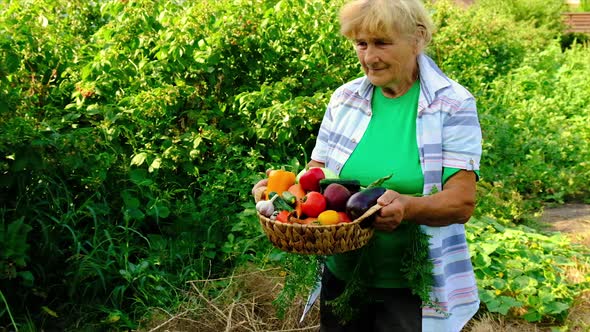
{"points": [[243, 302], [579, 316], [495, 323]]}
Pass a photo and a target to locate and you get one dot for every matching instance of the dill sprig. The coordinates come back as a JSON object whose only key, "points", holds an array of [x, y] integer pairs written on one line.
{"points": [[417, 266], [341, 304], [417, 269], [301, 273]]}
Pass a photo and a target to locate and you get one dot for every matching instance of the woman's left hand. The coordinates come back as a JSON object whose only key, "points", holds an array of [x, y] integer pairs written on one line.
{"points": [[393, 211]]}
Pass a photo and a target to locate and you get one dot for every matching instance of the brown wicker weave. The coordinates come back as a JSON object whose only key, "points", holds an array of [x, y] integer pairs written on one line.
{"points": [[318, 239]]}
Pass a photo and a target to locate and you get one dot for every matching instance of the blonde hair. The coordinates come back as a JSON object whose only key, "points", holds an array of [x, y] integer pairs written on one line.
{"points": [[379, 17]]}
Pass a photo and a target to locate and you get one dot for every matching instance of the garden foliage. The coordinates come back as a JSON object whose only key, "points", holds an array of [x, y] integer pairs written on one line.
{"points": [[131, 132]]}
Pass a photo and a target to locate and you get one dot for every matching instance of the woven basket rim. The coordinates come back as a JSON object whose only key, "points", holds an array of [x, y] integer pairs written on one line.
{"points": [[323, 239], [298, 225], [358, 220]]}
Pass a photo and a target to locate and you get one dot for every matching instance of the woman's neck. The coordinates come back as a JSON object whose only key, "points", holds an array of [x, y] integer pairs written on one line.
{"points": [[398, 89]]}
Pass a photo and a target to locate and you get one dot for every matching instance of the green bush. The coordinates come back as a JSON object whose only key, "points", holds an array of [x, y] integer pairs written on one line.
{"points": [[475, 46], [538, 115], [129, 131], [568, 39], [523, 273], [541, 13], [132, 131]]}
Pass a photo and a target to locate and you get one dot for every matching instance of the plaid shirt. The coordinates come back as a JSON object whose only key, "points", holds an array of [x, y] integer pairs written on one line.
{"points": [[448, 135]]}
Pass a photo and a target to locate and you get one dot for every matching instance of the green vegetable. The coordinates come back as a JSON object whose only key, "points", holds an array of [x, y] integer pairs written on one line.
{"points": [[379, 182], [289, 198], [279, 203], [417, 266]]}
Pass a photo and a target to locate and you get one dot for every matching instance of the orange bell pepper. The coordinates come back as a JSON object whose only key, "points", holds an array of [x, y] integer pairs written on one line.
{"points": [[279, 181]]}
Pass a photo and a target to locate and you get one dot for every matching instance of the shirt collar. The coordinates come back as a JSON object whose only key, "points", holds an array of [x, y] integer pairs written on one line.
{"points": [[432, 80]]}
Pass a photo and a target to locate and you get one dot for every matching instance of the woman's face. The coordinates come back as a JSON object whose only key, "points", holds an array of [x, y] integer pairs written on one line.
{"points": [[388, 61]]}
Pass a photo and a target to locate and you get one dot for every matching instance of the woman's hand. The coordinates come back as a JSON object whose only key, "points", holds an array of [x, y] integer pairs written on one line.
{"points": [[392, 213], [261, 183], [453, 205]]}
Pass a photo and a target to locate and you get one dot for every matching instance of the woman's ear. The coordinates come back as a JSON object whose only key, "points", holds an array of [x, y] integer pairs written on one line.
{"points": [[419, 38]]}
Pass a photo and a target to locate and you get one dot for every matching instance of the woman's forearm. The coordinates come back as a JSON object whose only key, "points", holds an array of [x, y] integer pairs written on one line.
{"points": [[453, 205], [314, 163]]}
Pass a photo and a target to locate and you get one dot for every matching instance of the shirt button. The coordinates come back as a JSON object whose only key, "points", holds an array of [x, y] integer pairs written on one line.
{"points": [[338, 167], [353, 140], [369, 113]]}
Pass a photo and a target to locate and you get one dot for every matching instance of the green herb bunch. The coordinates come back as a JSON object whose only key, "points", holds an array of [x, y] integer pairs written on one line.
{"points": [[417, 266], [302, 271]]}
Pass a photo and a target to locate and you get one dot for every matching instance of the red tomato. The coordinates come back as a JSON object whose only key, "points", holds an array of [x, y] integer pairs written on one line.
{"points": [[284, 216], [343, 217], [313, 204]]}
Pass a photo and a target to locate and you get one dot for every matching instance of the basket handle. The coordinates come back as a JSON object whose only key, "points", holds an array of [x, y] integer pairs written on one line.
{"points": [[367, 214]]}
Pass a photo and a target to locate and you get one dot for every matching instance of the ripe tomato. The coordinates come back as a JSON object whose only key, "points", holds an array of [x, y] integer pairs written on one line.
{"points": [[284, 216], [313, 204], [344, 217], [329, 217]]}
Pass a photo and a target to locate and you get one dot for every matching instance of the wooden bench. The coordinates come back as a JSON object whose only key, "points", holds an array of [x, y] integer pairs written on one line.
{"points": [[577, 22]]}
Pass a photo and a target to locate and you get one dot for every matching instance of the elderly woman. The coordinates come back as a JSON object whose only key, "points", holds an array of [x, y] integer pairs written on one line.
{"points": [[406, 118]]}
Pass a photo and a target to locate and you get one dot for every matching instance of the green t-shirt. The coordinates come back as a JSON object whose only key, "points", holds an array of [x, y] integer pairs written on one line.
{"points": [[388, 146]]}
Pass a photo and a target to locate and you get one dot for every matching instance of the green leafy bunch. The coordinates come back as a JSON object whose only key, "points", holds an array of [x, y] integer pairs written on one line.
{"points": [[524, 273]]}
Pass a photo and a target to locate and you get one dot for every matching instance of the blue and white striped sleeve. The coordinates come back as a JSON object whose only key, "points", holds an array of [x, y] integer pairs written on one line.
{"points": [[461, 137]]}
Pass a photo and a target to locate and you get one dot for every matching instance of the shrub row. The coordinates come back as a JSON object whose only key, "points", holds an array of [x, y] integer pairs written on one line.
{"points": [[132, 131]]}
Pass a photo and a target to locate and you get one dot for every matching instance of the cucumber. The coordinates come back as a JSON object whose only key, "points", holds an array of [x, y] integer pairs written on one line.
{"points": [[289, 198], [352, 185], [279, 203]]}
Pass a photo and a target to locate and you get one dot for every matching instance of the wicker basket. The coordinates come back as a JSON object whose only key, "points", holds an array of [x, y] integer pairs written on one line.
{"points": [[318, 239]]}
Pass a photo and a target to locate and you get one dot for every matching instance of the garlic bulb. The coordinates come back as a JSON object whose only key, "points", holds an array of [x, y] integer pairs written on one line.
{"points": [[266, 208]]}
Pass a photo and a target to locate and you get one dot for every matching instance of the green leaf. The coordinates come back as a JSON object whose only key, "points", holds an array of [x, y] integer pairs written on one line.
{"points": [[482, 261], [532, 316], [159, 210], [523, 282], [135, 213], [131, 202], [155, 164], [556, 307], [138, 159], [487, 248], [503, 304], [498, 283], [14, 245], [513, 273], [139, 177]]}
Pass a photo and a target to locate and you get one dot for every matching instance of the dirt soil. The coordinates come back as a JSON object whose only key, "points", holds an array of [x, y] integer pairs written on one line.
{"points": [[571, 219]]}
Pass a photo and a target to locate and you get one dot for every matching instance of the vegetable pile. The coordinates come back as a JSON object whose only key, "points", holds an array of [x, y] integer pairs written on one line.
{"points": [[316, 196]]}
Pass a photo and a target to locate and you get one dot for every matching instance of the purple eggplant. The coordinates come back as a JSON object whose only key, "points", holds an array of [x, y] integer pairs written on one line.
{"points": [[361, 201]]}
